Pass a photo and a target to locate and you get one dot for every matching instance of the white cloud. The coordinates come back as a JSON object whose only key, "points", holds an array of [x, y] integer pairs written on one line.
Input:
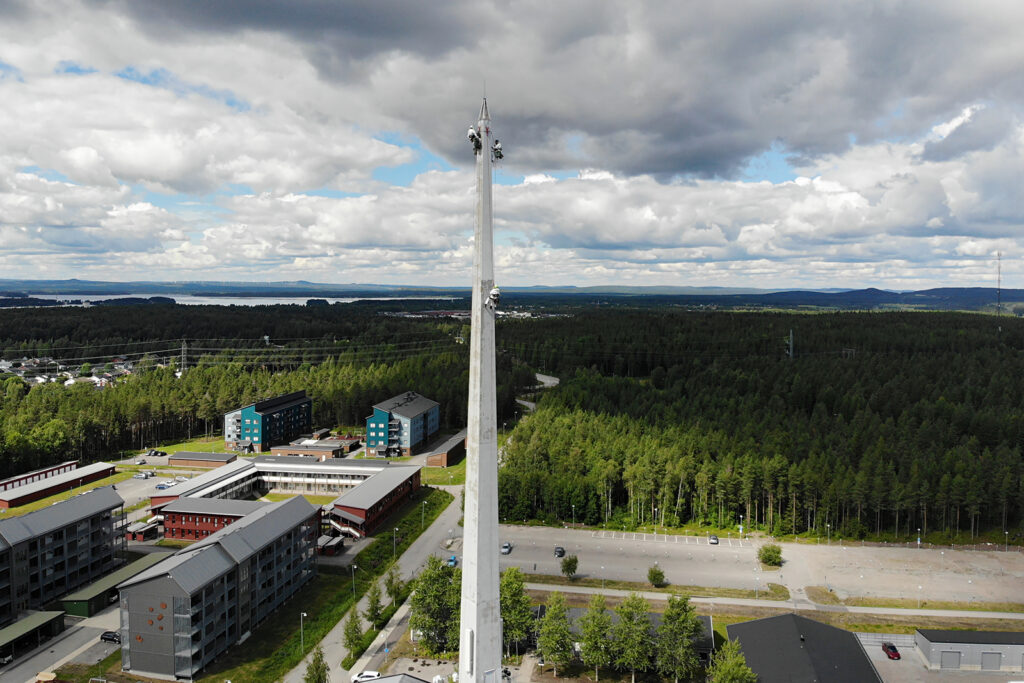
{"points": [[210, 160]]}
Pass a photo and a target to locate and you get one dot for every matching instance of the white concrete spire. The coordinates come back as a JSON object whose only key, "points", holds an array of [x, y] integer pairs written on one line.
{"points": [[480, 639]]}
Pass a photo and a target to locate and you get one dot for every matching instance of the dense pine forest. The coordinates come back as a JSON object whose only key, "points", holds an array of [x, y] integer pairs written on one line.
{"points": [[865, 425], [875, 425], [362, 358]]}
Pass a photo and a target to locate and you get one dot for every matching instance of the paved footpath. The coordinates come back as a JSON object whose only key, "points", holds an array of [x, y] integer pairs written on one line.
{"points": [[794, 605], [430, 542]]}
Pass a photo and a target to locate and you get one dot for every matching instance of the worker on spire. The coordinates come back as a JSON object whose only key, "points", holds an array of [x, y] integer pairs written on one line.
{"points": [[474, 138]]}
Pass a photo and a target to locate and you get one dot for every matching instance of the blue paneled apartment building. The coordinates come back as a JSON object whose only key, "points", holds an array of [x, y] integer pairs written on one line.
{"points": [[402, 425], [269, 422]]}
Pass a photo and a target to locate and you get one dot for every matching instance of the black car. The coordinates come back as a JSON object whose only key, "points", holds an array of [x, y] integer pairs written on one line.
{"points": [[111, 637], [559, 551]]}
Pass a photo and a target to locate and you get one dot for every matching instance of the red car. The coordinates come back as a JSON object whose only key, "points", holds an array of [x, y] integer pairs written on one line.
{"points": [[890, 651]]}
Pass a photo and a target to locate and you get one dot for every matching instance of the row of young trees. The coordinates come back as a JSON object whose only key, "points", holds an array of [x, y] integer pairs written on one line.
{"points": [[923, 429], [620, 639]]}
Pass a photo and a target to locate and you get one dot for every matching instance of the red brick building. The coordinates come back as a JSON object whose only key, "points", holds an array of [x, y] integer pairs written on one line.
{"points": [[193, 519], [359, 511]]}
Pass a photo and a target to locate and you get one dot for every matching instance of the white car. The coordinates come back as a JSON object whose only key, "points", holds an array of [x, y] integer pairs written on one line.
{"points": [[180, 478], [365, 676]]}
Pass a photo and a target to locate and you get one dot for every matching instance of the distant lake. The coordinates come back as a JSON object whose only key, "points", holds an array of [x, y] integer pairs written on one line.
{"points": [[194, 300]]}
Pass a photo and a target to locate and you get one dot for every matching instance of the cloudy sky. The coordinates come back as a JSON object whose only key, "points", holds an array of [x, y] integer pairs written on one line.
{"points": [[760, 144]]}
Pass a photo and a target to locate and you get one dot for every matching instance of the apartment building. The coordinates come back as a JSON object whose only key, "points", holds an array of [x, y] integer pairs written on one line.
{"points": [[50, 552], [180, 614]]}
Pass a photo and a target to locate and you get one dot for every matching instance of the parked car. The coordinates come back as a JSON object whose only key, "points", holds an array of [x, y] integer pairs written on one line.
{"points": [[140, 475], [180, 478], [452, 561], [159, 454], [111, 637], [506, 548], [365, 676], [559, 551], [890, 651], [712, 540], [140, 461]]}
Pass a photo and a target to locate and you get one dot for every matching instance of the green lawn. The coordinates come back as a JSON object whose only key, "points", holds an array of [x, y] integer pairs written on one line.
{"points": [[200, 444], [775, 591], [443, 476], [313, 500]]}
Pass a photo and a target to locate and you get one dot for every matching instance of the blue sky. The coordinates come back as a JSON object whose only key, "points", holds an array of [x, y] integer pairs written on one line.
{"points": [[328, 143]]}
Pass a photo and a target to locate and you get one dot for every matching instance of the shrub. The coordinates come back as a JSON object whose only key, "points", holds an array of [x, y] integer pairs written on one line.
{"points": [[770, 554], [656, 577], [569, 565]]}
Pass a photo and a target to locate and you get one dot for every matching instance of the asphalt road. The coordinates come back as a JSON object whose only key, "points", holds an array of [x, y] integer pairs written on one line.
{"points": [[686, 560]]}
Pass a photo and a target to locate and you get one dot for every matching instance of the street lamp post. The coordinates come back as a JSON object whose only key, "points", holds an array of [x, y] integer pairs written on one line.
{"points": [[919, 597], [353, 567], [574, 516], [1006, 541], [302, 633], [423, 512], [828, 529], [741, 526], [918, 537], [655, 521], [602, 578], [394, 544]]}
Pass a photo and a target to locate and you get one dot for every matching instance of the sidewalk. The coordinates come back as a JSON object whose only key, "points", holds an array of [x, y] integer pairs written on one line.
{"points": [[795, 605], [409, 563]]}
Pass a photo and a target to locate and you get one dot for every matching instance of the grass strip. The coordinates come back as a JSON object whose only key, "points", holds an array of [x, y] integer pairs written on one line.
{"points": [[774, 592]]}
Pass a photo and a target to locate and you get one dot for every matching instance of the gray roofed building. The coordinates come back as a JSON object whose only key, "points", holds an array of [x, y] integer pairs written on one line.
{"points": [[213, 506], [790, 647], [410, 404], [402, 425], [371, 491], [61, 482], [207, 479], [971, 650], [38, 522], [214, 593], [49, 552], [361, 510]]}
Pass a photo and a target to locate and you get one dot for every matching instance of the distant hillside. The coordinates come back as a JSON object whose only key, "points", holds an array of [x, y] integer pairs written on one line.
{"points": [[946, 298]]}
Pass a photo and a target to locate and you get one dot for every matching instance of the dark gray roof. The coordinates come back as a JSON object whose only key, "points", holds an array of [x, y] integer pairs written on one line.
{"points": [[221, 551], [110, 580], [70, 511], [449, 443], [935, 635], [368, 493], [191, 568], [42, 469], [61, 480], [213, 506], [281, 402], [409, 404], [254, 531], [790, 648], [194, 455]]}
